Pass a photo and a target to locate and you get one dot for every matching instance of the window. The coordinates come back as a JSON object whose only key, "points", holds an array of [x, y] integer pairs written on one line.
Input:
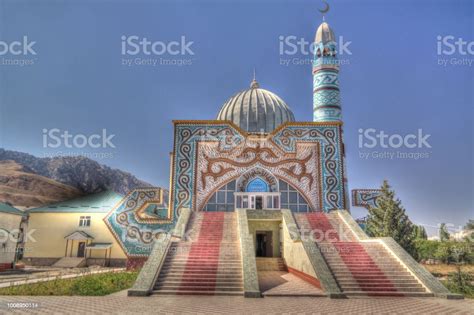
{"points": [[223, 199], [85, 221], [292, 199]]}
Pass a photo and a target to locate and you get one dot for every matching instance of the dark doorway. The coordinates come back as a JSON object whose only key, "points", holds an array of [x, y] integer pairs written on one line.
{"points": [[258, 202], [264, 244], [81, 250]]}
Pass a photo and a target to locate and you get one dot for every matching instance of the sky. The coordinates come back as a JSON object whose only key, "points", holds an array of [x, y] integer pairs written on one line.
{"points": [[393, 78]]}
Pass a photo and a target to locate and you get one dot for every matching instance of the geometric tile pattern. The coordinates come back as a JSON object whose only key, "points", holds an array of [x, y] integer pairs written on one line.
{"points": [[366, 198], [259, 152], [141, 217]]}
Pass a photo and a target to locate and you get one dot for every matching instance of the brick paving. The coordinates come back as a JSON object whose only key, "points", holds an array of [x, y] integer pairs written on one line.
{"points": [[119, 304], [281, 283]]}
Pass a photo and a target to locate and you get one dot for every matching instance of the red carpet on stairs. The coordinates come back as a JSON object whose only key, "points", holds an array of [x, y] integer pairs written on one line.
{"points": [[208, 244], [361, 265]]}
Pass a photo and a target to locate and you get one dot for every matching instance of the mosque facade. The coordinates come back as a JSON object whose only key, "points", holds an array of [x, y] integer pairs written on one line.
{"points": [[251, 190]]}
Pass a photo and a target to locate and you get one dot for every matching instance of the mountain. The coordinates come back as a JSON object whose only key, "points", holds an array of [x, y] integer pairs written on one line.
{"points": [[24, 189], [58, 178]]}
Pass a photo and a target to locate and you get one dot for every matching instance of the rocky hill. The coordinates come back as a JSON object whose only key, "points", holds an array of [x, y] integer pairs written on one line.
{"points": [[26, 180]]}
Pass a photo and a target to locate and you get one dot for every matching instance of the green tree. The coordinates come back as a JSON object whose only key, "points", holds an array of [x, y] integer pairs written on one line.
{"points": [[389, 219], [469, 225], [443, 233], [420, 232]]}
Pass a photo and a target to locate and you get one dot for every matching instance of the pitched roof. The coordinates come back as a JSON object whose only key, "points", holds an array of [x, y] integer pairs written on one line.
{"points": [[101, 202], [79, 235], [5, 208]]}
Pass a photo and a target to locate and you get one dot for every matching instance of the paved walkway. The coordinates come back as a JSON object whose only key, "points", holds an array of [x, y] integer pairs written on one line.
{"points": [[232, 305], [281, 283]]}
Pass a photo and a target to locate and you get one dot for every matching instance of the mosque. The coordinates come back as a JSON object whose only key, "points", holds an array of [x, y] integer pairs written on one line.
{"points": [[251, 190]]}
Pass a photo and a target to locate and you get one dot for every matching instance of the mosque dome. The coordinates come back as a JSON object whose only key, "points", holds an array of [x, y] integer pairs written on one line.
{"points": [[324, 34], [256, 110]]}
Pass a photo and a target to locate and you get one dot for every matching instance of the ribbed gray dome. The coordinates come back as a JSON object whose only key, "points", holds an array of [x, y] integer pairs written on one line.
{"points": [[256, 110]]}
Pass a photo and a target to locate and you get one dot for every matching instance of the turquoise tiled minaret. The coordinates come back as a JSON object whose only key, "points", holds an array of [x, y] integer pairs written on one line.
{"points": [[326, 100]]}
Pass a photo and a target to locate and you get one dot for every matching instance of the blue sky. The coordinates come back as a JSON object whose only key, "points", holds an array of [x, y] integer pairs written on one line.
{"points": [[392, 81]]}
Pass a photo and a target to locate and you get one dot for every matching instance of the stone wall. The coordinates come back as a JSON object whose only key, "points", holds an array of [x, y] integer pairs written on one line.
{"points": [[40, 261], [249, 264]]}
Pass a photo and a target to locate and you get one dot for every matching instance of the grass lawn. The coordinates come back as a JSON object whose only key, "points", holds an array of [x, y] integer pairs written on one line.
{"points": [[90, 285]]}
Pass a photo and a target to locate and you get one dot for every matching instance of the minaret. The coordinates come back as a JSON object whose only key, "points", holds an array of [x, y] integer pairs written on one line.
{"points": [[326, 100]]}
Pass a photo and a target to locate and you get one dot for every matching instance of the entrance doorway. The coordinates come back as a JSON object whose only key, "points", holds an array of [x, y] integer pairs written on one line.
{"points": [[264, 242], [263, 200], [81, 249]]}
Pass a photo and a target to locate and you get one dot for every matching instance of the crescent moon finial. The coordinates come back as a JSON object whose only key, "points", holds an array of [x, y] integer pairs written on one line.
{"points": [[325, 10]]}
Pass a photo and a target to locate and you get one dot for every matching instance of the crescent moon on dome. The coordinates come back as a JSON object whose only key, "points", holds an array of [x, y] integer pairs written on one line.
{"points": [[326, 9]]}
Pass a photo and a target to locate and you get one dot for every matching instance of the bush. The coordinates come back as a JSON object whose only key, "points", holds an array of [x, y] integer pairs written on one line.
{"points": [[447, 252], [460, 282], [443, 252], [90, 285], [426, 249]]}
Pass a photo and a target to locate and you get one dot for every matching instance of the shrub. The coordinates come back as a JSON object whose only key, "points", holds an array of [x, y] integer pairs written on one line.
{"points": [[443, 252], [460, 282], [447, 252], [89, 285]]}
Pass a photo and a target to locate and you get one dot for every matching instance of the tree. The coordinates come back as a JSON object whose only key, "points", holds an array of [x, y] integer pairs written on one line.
{"points": [[388, 219], [420, 232], [469, 225], [443, 233]]}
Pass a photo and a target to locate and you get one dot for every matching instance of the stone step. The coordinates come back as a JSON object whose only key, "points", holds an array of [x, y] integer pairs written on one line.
{"points": [[199, 277], [393, 281], [198, 288], [358, 270], [203, 270], [202, 266], [199, 284], [197, 260], [368, 265], [381, 288], [349, 276], [201, 281], [381, 293], [191, 292]]}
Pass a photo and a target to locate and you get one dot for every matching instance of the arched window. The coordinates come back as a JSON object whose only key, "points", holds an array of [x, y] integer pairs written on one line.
{"points": [[223, 199], [257, 185], [292, 199]]}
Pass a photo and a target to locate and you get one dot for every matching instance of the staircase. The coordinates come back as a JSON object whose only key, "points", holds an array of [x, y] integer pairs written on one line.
{"points": [[209, 262], [360, 268], [70, 262], [270, 264]]}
